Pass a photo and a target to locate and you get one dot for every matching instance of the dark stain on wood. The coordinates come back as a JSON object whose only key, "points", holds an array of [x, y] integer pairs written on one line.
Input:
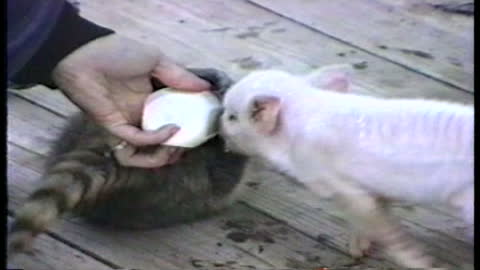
{"points": [[322, 238], [249, 34], [360, 65], [196, 263], [247, 62], [417, 53], [253, 185], [238, 237], [222, 29], [279, 30], [244, 229], [270, 23], [245, 225], [262, 236]]}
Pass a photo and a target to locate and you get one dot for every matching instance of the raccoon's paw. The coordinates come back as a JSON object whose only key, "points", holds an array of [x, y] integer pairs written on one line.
{"points": [[20, 242], [359, 245]]}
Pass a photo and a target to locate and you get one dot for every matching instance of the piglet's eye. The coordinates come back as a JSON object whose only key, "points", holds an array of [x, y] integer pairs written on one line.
{"points": [[232, 117]]}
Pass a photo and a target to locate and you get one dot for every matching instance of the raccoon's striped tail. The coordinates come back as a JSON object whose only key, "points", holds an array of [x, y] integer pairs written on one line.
{"points": [[74, 181]]}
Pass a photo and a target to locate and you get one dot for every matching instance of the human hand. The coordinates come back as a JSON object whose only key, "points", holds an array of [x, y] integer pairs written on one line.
{"points": [[110, 78]]}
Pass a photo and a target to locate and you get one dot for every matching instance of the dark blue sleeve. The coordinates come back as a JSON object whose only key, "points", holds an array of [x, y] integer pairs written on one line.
{"points": [[40, 34]]}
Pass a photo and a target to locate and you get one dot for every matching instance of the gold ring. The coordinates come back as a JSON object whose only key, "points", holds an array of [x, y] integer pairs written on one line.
{"points": [[120, 146]]}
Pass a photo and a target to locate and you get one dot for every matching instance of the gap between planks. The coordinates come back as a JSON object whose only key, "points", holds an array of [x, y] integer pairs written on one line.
{"points": [[52, 254], [250, 43], [451, 65]]}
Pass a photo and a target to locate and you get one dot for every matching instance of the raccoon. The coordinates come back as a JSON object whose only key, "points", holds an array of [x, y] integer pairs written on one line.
{"points": [[83, 178]]}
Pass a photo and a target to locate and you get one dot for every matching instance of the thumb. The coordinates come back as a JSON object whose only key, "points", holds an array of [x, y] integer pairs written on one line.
{"points": [[138, 137], [172, 75]]}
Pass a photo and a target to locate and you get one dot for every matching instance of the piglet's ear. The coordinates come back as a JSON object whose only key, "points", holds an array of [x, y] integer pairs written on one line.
{"points": [[333, 77], [264, 113]]}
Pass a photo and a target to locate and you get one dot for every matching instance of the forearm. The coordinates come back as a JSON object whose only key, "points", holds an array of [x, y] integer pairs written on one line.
{"points": [[41, 34]]}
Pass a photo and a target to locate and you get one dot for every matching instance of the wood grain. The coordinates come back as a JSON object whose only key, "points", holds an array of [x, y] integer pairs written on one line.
{"points": [[300, 208], [411, 33], [241, 37], [50, 254]]}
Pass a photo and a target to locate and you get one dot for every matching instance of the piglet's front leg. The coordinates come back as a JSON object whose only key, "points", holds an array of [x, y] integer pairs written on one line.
{"points": [[359, 245], [368, 215]]}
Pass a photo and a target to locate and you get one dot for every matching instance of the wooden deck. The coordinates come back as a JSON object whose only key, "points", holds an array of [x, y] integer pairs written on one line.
{"points": [[402, 48]]}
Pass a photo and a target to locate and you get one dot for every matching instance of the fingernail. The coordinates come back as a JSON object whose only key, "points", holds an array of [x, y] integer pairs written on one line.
{"points": [[174, 128]]}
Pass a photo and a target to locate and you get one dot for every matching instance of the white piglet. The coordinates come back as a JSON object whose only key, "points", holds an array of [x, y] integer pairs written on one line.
{"points": [[362, 150]]}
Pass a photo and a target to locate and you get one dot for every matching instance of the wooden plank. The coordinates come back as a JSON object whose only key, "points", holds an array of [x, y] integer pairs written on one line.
{"points": [[29, 128], [411, 33], [206, 243], [431, 219], [50, 254], [276, 196], [240, 38], [435, 13], [53, 100]]}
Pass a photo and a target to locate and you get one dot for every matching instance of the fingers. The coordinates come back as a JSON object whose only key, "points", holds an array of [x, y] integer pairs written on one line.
{"points": [[162, 156], [175, 76], [138, 137], [129, 156], [176, 155]]}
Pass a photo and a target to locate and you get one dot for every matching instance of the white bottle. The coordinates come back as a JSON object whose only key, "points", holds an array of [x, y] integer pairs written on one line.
{"points": [[196, 113]]}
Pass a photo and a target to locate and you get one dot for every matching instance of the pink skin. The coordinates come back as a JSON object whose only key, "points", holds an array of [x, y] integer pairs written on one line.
{"points": [[333, 141]]}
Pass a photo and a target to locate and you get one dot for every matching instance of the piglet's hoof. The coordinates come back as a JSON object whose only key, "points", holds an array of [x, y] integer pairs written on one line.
{"points": [[360, 246]]}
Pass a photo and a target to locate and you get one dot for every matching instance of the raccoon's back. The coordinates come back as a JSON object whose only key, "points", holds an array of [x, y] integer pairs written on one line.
{"points": [[192, 188], [195, 187], [80, 133]]}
